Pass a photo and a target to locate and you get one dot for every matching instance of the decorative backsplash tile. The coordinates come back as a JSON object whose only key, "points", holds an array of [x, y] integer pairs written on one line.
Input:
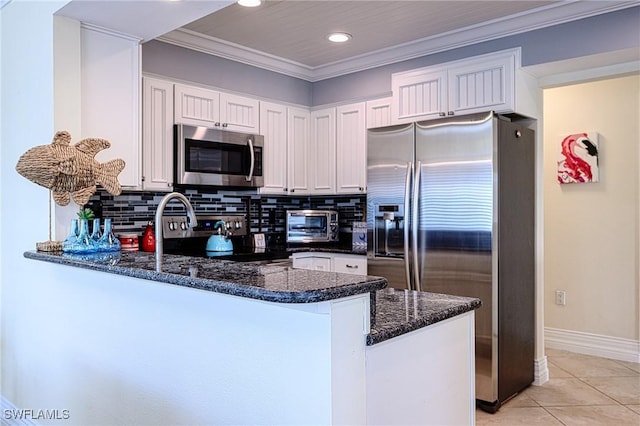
{"points": [[132, 210]]}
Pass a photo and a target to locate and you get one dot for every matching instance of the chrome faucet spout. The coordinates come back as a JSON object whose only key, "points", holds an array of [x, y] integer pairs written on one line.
{"points": [[191, 216]]}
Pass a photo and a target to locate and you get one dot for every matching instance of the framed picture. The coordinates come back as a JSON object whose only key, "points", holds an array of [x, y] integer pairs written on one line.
{"points": [[578, 161]]}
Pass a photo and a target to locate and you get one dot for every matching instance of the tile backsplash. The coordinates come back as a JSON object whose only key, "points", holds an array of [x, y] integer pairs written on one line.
{"points": [[132, 210]]}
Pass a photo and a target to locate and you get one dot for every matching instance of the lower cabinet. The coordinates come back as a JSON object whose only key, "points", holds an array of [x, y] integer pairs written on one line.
{"points": [[331, 262]]}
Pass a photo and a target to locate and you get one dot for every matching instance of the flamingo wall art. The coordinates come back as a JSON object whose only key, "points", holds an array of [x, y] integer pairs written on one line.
{"points": [[578, 158]]}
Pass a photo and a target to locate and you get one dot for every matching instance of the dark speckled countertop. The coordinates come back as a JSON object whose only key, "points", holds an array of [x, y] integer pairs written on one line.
{"points": [[263, 282], [402, 311], [394, 312]]}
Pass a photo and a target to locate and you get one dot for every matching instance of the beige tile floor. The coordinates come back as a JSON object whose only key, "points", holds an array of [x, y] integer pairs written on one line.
{"points": [[582, 390]]}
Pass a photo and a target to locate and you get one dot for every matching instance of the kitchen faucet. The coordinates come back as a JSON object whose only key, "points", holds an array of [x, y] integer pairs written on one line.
{"points": [[191, 215]]}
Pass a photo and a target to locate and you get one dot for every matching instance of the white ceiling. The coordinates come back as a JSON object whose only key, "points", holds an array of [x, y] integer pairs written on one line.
{"points": [[296, 30], [288, 36]]}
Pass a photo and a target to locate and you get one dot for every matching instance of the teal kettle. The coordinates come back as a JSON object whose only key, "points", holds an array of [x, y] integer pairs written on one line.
{"points": [[219, 243]]}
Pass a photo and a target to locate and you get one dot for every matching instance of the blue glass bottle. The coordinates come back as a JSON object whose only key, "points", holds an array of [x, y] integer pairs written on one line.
{"points": [[68, 243], [84, 243], [108, 241], [97, 232]]}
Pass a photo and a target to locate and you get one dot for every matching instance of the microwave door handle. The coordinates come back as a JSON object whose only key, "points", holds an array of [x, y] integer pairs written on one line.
{"points": [[253, 159]]}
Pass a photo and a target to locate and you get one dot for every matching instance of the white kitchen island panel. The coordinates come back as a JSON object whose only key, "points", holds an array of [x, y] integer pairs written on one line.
{"points": [[425, 377]]}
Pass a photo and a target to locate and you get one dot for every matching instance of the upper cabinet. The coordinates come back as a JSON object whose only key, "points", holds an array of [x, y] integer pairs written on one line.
{"points": [[273, 126], [110, 98], [351, 149], [298, 120], [157, 135], [322, 152], [477, 84], [204, 107], [379, 112]]}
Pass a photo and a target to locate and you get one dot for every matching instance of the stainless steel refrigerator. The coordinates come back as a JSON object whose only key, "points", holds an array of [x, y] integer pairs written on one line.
{"points": [[450, 209]]}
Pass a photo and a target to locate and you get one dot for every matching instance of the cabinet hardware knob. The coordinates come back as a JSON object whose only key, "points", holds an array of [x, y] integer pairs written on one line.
{"points": [[451, 113], [225, 124], [442, 114], [217, 124]]}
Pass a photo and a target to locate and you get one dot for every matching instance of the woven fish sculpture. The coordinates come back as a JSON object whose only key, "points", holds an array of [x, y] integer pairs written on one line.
{"points": [[71, 170]]}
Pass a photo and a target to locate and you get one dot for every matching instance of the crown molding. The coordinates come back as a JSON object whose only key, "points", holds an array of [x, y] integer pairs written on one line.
{"points": [[546, 16]]}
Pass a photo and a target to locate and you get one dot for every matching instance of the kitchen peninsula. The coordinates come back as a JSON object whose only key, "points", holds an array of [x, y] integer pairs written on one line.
{"points": [[262, 344]]}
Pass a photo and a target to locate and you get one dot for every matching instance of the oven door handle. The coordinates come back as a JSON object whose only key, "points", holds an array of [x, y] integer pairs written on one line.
{"points": [[253, 159]]}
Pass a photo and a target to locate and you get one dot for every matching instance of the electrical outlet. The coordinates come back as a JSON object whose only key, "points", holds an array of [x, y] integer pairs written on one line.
{"points": [[561, 297]]}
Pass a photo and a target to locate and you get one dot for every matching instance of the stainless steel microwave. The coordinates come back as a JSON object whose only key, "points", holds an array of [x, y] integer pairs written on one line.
{"points": [[312, 226], [214, 157]]}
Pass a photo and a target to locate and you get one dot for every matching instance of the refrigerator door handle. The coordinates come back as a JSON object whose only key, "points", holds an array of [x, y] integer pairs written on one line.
{"points": [[414, 227], [407, 204]]}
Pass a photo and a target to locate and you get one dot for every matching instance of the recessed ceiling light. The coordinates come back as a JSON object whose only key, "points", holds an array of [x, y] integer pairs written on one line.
{"points": [[249, 3], [339, 37]]}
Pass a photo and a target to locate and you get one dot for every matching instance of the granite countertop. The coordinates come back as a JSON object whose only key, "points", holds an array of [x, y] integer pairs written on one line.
{"points": [[401, 311], [393, 312], [263, 282]]}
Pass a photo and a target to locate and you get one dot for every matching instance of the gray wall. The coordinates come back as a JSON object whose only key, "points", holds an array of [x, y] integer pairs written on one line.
{"points": [[604, 33], [185, 64], [599, 34]]}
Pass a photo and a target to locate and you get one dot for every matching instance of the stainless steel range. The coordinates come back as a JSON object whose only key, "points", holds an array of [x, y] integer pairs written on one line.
{"points": [[182, 240]]}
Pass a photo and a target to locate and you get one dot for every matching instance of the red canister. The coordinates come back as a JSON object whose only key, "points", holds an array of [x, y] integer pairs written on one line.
{"points": [[129, 242], [149, 238]]}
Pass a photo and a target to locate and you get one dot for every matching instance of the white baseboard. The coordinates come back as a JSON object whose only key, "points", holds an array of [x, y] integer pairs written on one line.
{"points": [[540, 371], [592, 344], [6, 417]]}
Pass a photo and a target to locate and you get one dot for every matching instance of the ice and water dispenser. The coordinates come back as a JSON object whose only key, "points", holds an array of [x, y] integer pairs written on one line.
{"points": [[389, 230]]}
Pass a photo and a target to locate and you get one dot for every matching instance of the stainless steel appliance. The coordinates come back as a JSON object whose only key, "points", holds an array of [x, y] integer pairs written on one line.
{"points": [[213, 157], [182, 240], [451, 210], [312, 226]]}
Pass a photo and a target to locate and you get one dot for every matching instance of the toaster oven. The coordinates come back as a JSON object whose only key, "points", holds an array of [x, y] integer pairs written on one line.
{"points": [[312, 226]]}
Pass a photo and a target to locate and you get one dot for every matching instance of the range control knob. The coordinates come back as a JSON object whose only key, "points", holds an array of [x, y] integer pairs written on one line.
{"points": [[183, 226]]}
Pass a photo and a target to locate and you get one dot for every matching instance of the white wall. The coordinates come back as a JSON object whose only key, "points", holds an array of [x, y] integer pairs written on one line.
{"points": [[591, 231]]}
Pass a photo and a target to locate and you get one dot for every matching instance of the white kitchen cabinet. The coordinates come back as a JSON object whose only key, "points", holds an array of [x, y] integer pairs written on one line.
{"points": [[315, 262], [273, 126], [322, 152], [481, 83], [379, 112], [350, 264], [205, 107], [110, 99], [239, 113], [157, 135], [331, 262], [298, 150], [351, 149]]}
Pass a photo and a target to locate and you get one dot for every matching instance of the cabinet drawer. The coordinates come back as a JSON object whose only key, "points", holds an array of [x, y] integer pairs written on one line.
{"points": [[356, 265], [316, 263]]}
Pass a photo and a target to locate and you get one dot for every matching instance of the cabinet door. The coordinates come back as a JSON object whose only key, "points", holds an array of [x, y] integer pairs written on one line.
{"points": [[482, 85], [351, 152], [298, 150], [157, 135], [273, 126], [197, 106], [419, 94], [111, 99], [350, 264], [379, 113], [322, 152], [238, 113]]}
